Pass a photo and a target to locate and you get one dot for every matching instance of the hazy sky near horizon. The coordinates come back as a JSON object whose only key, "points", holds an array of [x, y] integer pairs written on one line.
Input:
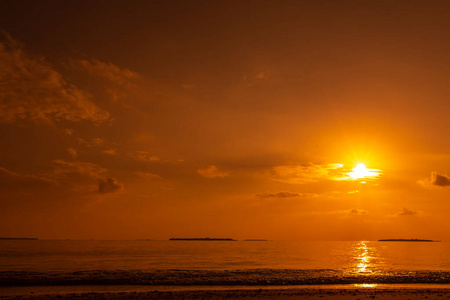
{"points": [[158, 119]]}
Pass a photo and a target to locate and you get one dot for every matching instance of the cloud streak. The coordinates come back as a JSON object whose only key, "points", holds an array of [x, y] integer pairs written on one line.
{"points": [[13, 181], [357, 212], [143, 156], [353, 212], [301, 174], [284, 195], [147, 175], [212, 172], [104, 70]]}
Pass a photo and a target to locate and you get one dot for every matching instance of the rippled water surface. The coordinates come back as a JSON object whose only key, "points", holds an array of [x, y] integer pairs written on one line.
{"points": [[358, 256], [230, 262]]}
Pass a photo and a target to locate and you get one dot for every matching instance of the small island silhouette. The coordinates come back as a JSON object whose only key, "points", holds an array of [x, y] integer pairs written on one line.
{"points": [[17, 238], [406, 240], [201, 239]]}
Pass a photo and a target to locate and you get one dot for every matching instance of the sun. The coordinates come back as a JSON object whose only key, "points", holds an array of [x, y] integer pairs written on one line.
{"points": [[360, 171]]}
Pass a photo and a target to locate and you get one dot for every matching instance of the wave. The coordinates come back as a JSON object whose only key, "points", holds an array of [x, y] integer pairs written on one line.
{"points": [[219, 278]]}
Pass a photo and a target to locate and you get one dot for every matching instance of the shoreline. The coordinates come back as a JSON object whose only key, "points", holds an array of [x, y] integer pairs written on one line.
{"points": [[346, 291]]}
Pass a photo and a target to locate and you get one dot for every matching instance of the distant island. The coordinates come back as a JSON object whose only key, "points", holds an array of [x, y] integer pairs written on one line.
{"points": [[201, 239], [406, 240], [3, 238]]}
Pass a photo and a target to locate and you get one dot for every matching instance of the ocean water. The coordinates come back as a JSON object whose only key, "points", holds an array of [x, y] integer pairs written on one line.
{"points": [[68, 262]]}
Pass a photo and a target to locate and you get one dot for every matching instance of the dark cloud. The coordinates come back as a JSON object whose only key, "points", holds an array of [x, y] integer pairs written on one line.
{"points": [[356, 211], [439, 179], [32, 90], [109, 185], [435, 179], [407, 212]]}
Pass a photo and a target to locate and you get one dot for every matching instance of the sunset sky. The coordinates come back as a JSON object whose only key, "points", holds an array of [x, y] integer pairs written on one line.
{"points": [[241, 119]]}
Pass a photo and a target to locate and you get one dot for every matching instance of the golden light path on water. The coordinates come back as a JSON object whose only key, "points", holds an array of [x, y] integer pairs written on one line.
{"points": [[366, 285], [364, 256]]}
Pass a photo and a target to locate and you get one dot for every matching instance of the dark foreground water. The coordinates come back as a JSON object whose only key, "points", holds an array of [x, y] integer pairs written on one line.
{"points": [[162, 263]]}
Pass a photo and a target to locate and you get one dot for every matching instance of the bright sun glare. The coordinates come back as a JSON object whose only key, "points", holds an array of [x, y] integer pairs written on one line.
{"points": [[360, 171]]}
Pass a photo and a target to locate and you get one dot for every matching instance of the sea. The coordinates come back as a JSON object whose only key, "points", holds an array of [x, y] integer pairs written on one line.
{"points": [[221, 263]]}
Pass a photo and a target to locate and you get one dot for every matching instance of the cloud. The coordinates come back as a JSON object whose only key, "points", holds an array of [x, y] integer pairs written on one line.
{"points": [[17, 182], [95, 142], [105, 70], [68, 131], [105, 79], [65, 168], [110, 151], [143, 155], [84, 177], [72, 152], [301, 174], [98, 141], [406, 212], [32, 90], [212, 172], [356, 211], [147, 175], [255, 79], [260, 75], [109, 185], [435, 179], [283, 195], [439, 179], [78, 177], [344, 213]]}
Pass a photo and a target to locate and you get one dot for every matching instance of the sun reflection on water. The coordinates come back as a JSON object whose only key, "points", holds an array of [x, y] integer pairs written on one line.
{"points": [[364, 255], [366, 285]]}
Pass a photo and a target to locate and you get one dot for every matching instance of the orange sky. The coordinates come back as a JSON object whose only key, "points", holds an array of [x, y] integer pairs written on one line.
{"points": [[159, 119]]}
